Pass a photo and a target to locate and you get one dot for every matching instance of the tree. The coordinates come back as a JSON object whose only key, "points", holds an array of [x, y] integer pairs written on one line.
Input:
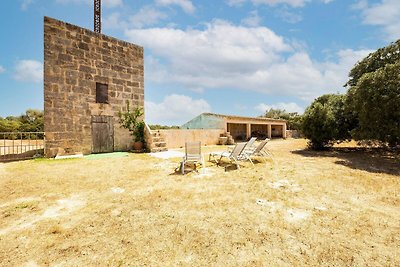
{"points": [[374, 95], [375, 100], [327, 121], [9, 125], [374, 61], [293, 118], [276, 114], [32, 121]]}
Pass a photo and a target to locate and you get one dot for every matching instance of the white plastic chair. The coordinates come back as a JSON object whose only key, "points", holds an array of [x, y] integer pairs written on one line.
{"points": [[234, 156], [192, 155], [260, 150]]}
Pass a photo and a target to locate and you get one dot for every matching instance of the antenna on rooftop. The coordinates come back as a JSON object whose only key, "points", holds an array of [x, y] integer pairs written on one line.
{"points": [[97, 16]]}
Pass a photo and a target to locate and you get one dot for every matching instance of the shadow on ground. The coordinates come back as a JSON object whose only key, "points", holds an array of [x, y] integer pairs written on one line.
{"points": [[222, 166], [374, 160]]}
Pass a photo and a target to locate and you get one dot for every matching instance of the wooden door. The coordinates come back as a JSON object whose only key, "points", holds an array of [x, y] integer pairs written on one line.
{"points": [[102, 134]]}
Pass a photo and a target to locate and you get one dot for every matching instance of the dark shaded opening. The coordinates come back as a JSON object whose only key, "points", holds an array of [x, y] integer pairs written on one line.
{"points": [[101, 93]]}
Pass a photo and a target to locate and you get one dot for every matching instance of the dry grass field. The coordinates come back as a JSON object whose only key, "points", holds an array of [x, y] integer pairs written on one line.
{"points": [[301, 208]]}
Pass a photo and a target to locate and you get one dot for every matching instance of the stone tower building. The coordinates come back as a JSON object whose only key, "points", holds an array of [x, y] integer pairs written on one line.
{"points": [[88, 77]]}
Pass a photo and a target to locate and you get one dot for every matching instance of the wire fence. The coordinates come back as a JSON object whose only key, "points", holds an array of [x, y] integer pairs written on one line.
{"points": [[21, 145]]}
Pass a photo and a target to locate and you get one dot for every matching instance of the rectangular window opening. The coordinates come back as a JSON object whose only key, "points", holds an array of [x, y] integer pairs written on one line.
{"points": [[101, 93]]}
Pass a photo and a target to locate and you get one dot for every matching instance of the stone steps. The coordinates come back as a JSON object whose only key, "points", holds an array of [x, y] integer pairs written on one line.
{"points": [[160, 144], [157, 139], [158, 149], [155, 134], [226, 139], [157, 143]]}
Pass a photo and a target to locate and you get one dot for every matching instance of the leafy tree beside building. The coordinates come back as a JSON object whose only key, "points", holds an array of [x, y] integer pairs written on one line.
{"points": [[370, 110], [31, 121], [374, 96], [293, 118]]}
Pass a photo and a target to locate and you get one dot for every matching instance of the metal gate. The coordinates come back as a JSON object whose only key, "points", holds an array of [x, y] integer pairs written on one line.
{"points": [[102, 134], [21, 145]]}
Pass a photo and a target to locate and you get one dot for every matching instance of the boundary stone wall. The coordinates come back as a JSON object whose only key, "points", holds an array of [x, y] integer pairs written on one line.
{"points": [[75, 59], [293, 134], [177, 138]]}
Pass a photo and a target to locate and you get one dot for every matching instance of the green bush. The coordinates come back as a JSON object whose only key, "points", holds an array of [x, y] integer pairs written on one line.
{"points": [[133, 121], [327, 121]]}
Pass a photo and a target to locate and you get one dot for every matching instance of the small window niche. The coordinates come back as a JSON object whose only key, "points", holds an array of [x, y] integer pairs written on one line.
{"points": [[101, 93]]}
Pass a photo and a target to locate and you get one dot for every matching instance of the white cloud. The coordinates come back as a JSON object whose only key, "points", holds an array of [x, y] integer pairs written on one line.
{"points": [[385, 14], [28, 71], [361, 4], [175, 109], [112, 3], [147, 15], [236, 3], [288, 16], [113, 21], [25, 4], [249, 59], [293, 3], [186, 5], [2, 69], [289, 107], [105, 3], [220, 44], [253, 20]]}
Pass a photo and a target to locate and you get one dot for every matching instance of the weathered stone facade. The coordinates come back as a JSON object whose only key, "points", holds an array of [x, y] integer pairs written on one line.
{"points": [[76, 60]]}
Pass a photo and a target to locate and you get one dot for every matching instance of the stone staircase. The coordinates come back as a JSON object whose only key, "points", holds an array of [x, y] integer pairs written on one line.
{"points": [[155, 142], [158, 142], [226, 139]]}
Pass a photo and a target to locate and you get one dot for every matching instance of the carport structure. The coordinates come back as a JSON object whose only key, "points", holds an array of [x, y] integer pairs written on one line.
{"points": [[241, 128]]}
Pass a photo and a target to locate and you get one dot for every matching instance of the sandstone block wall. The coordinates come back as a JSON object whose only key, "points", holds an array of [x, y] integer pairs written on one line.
{"points": [[176, 138], [75, 59]]}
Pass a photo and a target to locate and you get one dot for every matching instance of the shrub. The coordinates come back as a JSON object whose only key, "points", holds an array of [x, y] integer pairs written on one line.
{"points": [[133, 121], [327, 121]]}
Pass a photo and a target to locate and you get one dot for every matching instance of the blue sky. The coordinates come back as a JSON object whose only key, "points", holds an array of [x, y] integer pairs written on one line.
{"points": [[237, 57]]}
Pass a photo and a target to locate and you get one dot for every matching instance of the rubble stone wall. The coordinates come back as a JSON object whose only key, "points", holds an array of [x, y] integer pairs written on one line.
{"points": [[75, 59]]}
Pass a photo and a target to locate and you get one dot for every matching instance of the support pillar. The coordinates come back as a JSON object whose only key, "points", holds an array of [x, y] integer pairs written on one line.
{"points": [[284, 131], [248, 130], [269, 131]]}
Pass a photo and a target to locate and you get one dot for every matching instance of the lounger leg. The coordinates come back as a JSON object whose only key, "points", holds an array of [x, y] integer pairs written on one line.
{"points": [[183, 167], [237, 164], [219, 161], [248, 157]]}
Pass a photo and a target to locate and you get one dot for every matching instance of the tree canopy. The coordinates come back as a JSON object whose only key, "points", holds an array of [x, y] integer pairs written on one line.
{"points": [[293, 118], [375, 101], [374, 61], [370, 110], [31, 121]]}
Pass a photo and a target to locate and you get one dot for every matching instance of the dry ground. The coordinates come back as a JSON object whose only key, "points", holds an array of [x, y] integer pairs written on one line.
{"points": [[303, 208]]}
